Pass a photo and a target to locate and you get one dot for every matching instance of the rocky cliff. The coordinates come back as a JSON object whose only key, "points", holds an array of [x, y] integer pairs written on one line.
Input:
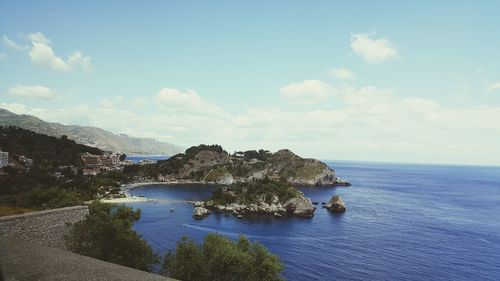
{"points": [[212, 164]]}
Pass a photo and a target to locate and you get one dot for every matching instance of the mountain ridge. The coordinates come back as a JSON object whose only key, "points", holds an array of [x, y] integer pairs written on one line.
{"points": [[91, 136]]}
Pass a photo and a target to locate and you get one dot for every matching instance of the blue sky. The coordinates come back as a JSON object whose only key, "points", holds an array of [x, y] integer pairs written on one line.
{"points": [[359, 80]]}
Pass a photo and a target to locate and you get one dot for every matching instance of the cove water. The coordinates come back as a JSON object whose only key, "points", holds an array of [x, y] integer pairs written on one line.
{"points": [[403, 222]]}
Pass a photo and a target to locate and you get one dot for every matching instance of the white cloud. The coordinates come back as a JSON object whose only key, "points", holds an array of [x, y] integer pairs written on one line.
{"points": [[372, 50], [42, 54], [76, 59], [494, 87], [174, 100], [37, 91], [12, 45], [139, 102], [38, 37], [3, 56], [368, 123], [307, 92], [342, 73]]}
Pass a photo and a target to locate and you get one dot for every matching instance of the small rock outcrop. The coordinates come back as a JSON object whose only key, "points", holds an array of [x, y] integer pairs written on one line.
{"points": [[300, 206], [336, 204], [200, 212]]}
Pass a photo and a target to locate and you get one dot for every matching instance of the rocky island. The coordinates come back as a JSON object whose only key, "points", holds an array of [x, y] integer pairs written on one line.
{"points": [[252, 182], [278, 198]]}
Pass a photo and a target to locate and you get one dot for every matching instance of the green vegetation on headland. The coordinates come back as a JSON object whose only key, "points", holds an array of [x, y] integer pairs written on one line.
{"points": [[212, 164], [53, 177], [107, 234]]}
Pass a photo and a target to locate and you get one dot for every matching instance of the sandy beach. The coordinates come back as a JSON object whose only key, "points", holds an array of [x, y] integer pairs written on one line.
{"points": [[129, 198]]}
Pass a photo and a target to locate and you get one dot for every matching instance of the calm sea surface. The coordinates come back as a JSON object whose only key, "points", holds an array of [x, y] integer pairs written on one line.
{"points": [[403, 222]]}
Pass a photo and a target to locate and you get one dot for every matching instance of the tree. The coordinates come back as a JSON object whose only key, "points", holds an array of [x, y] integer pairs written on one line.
{"points": [[123, 157], [219, 258], [106, 233]]}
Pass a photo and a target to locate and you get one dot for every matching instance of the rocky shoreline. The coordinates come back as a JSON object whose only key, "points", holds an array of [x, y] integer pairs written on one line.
{"points": [[299, 206]]}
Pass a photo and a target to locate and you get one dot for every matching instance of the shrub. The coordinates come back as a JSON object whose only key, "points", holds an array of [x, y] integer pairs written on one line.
{"points": [[53, 197], [219, 258], [106, 233]]}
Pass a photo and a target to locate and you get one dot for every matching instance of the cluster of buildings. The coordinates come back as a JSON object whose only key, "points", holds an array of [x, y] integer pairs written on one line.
{"points": [[94, 164], [22, 160], [27, 162], [4, 158]]}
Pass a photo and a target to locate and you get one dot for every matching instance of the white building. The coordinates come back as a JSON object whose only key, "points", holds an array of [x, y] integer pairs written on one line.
{"points": [[4, 159]]}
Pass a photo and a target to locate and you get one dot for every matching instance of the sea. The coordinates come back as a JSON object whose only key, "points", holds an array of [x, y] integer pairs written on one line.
{"points": [[136, 158], [403, 222]]}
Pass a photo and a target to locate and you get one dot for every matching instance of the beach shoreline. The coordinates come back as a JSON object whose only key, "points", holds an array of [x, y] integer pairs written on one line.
{"points": [[129, 198]]}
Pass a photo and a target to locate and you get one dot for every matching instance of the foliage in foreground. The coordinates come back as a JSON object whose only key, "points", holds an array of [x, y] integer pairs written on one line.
{"points": [[219, 258], [107, 234]]}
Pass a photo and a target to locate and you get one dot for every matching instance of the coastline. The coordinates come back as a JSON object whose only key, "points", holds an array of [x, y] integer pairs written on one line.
{"points": [[129, 198]]}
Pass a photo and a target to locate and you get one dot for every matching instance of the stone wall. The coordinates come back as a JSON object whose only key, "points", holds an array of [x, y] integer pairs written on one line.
{"points": [[44, 227]]}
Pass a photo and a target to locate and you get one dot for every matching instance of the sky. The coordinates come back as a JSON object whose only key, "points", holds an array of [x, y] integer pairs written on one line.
{"points": [[392, 81]]}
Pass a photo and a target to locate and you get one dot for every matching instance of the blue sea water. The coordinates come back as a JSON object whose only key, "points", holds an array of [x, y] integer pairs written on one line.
{"points": [[403, 222], [137, 158]]}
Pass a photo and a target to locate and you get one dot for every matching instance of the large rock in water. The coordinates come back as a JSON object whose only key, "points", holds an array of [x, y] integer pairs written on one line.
{"points": [[336, 204], [200, 212], [300, 206]]}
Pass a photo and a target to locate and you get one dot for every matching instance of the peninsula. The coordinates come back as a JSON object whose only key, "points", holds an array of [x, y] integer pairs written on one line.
{"points": [[212, 164]]}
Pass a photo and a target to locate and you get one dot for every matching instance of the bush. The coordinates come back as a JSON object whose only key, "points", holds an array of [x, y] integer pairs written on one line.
{"points": [[107, 234], [53, 197], [219, 258]]}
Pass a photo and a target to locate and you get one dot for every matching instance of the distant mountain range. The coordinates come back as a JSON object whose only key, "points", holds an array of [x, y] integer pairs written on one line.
{"points": [[90, 136]]}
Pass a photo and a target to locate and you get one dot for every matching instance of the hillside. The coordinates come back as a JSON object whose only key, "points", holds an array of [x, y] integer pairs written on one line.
{"points": [[90, 136], [54, 177], [45, 151], [212, 164]]}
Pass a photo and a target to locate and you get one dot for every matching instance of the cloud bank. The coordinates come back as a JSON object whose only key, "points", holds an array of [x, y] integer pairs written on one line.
{"points": [[369, 123], [342, 73], [307, 92], [37, 91]]}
